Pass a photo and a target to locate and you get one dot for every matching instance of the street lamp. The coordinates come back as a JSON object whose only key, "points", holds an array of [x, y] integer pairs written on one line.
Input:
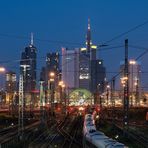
{"points": [[42, 103], [98, 93], [64, 97], [62, 94], [2, 70], [107, 93], [60, 91], [52, 89], [52, 74]]}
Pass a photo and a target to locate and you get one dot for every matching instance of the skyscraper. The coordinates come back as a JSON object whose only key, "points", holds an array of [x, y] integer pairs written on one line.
{"points": [[98, 74], [84, 61], [28, 69], [10, 86], [134, 68], [43, 74], [81, 68], [53, 65], [84, 70], [70, 67]]}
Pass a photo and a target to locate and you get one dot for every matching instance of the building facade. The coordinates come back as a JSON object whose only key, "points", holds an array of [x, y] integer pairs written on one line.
{"points": [[70, 68], [84, 70], [134, 68], [98, 75], [11, 86], [52, 65], [28, 68]]}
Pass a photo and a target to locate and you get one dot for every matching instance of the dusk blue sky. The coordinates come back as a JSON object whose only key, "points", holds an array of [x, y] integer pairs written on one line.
{"points": [[66, 20]]}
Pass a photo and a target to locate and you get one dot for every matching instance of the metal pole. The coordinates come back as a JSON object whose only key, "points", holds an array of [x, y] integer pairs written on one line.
{"points": [[107, 95], [21, 109], [42, 103], [24, 84], [65, 100], [137, 93], [97, 94], [113, 100], [21, 102], [126, 89], [52, 97], [60, 93]]}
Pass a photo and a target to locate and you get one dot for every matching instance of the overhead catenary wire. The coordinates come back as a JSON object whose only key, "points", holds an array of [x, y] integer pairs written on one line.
{"points": [[41, 40], [126, 32], [141, 55], [44, 57]]}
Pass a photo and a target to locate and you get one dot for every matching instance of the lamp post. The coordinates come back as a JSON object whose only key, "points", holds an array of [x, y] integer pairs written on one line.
{"points": [[2, 70], [52, 89], [42, 103], [137, 92], [24, 77], [113, 100], [107, 94], [126, 91], [98, 94], [64, 98], [62, 95], [60, 91]]}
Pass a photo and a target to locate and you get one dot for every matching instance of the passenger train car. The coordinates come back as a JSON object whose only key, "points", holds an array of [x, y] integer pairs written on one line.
{"points": [[96, 139]]}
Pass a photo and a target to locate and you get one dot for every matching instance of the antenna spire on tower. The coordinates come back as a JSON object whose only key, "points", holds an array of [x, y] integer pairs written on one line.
{"points": [[88, 37], [88, 23], [31, 38]]}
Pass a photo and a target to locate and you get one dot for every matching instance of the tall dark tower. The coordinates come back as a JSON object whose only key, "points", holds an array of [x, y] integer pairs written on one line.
{"points": [[88, 38], [52, 65], [28, 68]]}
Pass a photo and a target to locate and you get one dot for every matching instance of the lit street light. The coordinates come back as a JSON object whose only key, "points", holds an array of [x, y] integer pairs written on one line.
{"points": [[2, 69], [107, 94], [52, 89], [62, 95]]}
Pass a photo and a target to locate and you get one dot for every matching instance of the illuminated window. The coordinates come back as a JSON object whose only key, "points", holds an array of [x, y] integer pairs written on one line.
{"points": [[14, 78], [84, 76], [68, 58]]}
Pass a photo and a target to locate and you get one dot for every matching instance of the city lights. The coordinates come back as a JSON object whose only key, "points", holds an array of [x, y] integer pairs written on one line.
{"points": [[2, 69], [61, 83], [76, 83], [51, 80], [132, 62], [108, 86], [94, 47], [83, 49], [52, 74]]}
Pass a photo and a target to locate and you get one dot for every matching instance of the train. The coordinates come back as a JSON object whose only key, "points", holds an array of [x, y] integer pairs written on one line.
{"points": [[92, 138]]}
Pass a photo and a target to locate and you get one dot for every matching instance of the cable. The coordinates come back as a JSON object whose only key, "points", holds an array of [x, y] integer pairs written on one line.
{"points": [[39, 58], [138, 47], [124, 33], [41, 40], [135, 59]]}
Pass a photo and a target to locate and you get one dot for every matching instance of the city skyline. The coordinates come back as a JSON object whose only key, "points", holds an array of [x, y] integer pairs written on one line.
{"points": [[74, 73], [51, 36]]}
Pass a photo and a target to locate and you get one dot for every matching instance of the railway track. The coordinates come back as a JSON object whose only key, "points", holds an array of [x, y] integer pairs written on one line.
{"points": [[8, 130], [11, 135], [141, 139], [135, 136], [71, 135], [46, 138]]}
